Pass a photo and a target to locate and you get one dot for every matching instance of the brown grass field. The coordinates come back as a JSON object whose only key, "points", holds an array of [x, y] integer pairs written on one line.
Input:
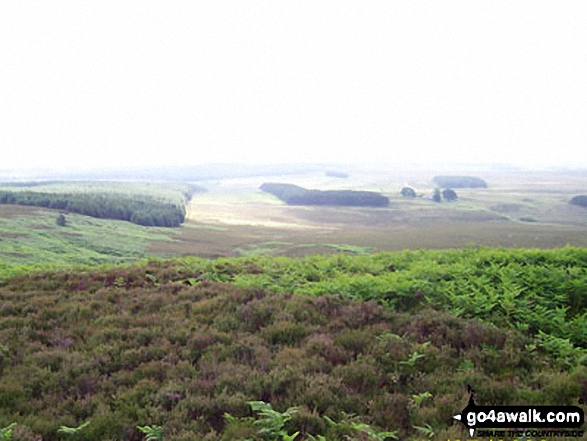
{"points": [[519, 209]]}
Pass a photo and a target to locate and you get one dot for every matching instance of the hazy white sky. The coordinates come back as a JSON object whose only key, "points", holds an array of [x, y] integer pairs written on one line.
{"points": [[91, 83]]}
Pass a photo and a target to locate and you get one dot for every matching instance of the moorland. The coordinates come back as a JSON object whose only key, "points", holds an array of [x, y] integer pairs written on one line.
{"points": [[256, 319]]}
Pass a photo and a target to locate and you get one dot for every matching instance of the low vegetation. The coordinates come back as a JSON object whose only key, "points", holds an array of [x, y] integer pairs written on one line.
{"points": [[31, 237], [295, 195], [319, 348]]}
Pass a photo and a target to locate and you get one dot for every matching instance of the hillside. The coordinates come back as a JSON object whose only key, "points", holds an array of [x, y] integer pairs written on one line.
{"points": [[161, 205], [390, 340]]}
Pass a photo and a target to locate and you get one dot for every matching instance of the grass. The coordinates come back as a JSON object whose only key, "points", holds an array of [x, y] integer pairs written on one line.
{"points": [[31, 237], [432, 231], [350, 249], [254, 250], [518, 210], [280, 248]]}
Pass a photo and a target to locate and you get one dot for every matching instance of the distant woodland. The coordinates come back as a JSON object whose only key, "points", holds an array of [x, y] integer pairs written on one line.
{"points": [[295, 195], [459, 182], [580, 200], [142, 210]]}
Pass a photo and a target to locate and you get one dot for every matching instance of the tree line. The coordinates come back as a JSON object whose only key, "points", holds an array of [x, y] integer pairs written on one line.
{"points": [[448, 194], [142, 210], [580, 200], [295, 195]]}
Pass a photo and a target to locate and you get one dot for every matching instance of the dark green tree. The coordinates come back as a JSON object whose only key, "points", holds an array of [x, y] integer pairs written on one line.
{"points": [[449, 194], [61, 221], [436, 197], [408, 192]]}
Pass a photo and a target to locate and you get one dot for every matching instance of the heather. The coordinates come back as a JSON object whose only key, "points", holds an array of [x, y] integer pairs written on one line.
{"points": [[339, 347]]}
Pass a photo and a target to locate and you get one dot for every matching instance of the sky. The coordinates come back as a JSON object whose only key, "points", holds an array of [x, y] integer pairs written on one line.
{"points": [[100, 83]]}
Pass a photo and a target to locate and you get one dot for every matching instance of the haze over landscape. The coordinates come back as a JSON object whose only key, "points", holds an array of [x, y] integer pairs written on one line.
{"points": [[120, 84]]}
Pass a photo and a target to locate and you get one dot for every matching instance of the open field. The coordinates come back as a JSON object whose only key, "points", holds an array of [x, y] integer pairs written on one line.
{"points": [[519, 209], [235, 218]]}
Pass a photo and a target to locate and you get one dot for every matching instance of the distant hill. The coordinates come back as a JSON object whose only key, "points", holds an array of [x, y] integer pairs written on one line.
{"points": [[459, 182], [172, 173], [335, 174], [295, 195]]}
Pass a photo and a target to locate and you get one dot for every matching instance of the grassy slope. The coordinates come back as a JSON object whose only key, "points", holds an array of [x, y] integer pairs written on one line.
{"points": [[178, 343], [30, 237]]}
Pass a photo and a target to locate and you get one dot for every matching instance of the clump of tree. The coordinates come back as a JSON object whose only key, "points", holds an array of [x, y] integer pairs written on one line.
{"points": [[142, 210], [295, 195], [580, 200], [285, 192], [459, 182], [408, 192], [448, 194]]}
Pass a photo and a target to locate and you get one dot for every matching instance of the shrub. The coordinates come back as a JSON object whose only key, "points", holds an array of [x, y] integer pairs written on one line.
{"points": [[285, 333], [61, 220], [448, 194], [362, 376], [408, 192]]}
